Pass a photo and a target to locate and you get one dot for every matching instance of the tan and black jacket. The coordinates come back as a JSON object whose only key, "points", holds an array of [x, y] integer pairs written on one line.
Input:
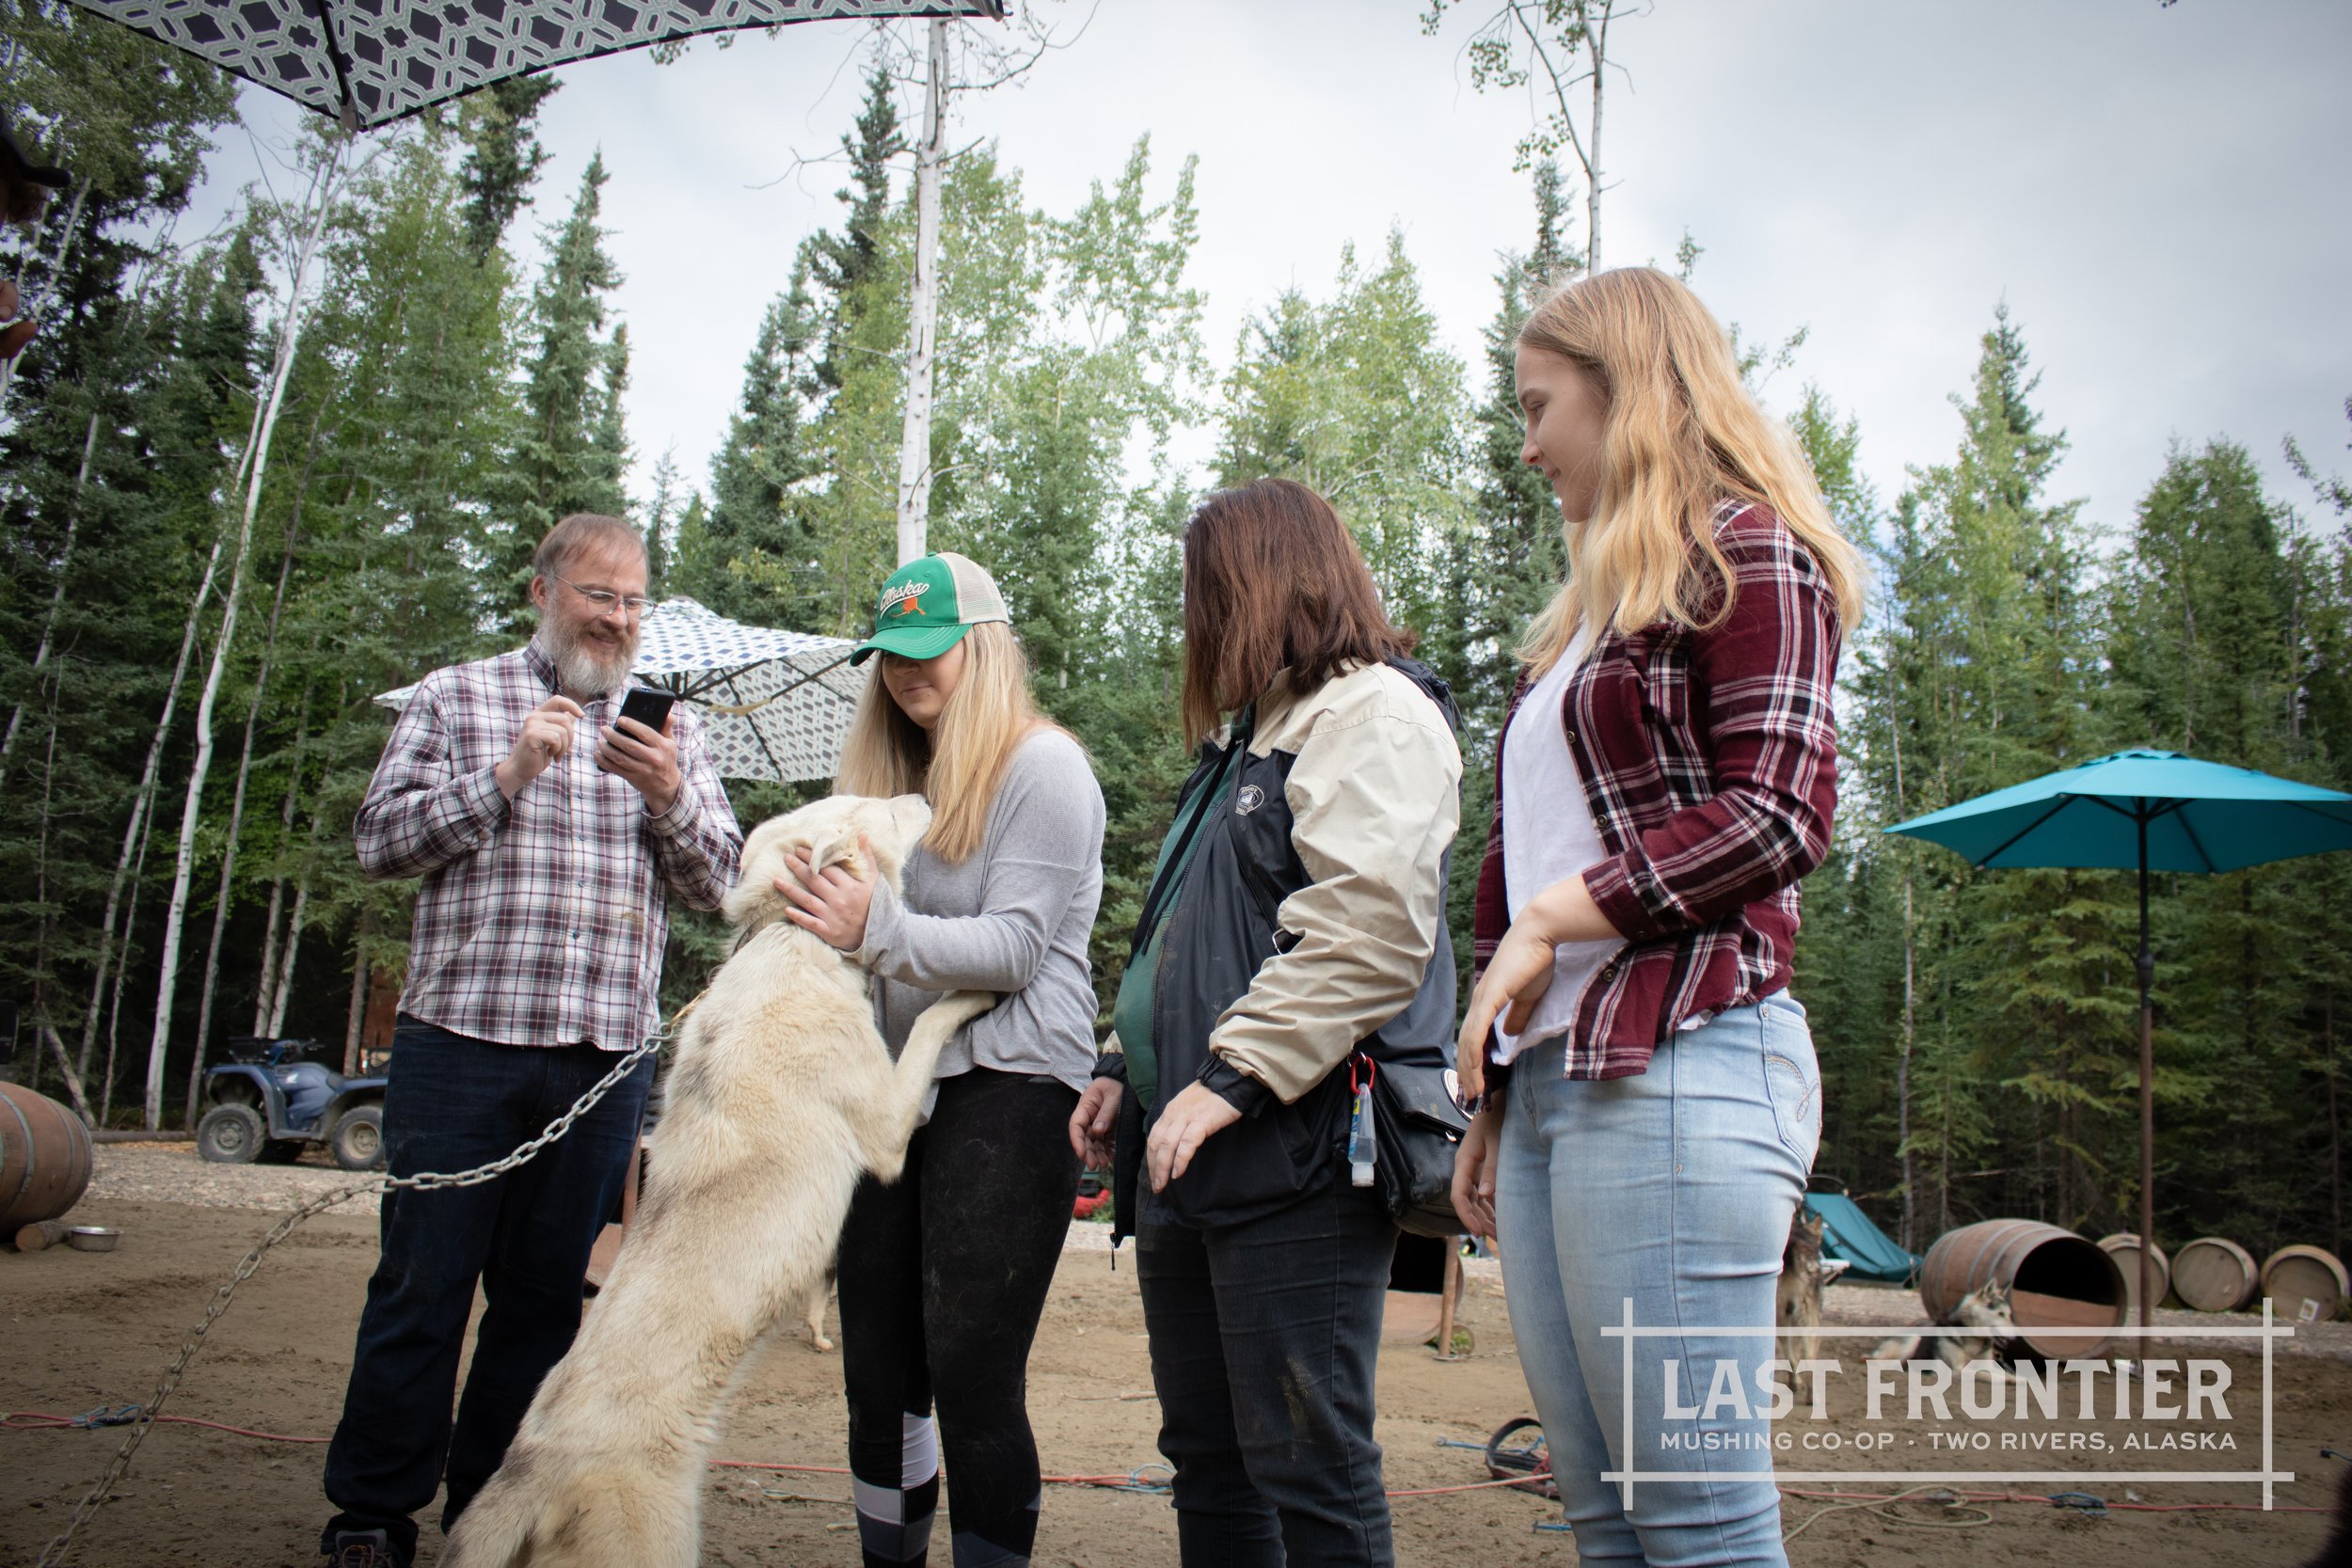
{"points": [[1310, 921]]}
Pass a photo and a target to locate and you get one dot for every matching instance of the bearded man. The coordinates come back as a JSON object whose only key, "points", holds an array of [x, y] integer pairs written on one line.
{"points": [[551, 837]]}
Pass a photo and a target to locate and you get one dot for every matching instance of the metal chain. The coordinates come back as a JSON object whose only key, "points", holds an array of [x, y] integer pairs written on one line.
{"points": [[55, 1552]]}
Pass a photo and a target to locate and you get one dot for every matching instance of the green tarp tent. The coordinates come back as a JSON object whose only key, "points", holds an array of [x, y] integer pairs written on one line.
{"points": [[1848, 1233]]}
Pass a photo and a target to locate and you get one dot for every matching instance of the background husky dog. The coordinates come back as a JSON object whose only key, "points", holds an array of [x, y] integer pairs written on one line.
{"points": [[1986, 1307], [781, 1097]]}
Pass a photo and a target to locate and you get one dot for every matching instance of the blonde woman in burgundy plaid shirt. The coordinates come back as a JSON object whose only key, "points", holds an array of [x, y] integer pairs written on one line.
{"points": [[1667, 774], [551, 840]]}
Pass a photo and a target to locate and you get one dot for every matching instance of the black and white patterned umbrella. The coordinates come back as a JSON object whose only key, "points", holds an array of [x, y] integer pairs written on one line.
{"points": [[370, 62], [775, 704]]}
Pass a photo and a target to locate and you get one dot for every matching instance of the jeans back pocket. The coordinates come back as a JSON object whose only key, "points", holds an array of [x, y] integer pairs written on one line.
{"points": [[1793, 1077]]}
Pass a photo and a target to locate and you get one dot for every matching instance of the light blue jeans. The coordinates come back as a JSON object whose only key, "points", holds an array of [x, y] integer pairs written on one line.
{"points": [[1673, 1189]]}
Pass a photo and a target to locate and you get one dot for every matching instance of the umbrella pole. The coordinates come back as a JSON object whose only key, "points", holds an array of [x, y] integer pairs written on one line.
{"points": [[2147, 966]]}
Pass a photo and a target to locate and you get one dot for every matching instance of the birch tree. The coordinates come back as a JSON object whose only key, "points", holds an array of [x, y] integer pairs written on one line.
{"points": [[329, 170], [1557, 53], [988, 59]]}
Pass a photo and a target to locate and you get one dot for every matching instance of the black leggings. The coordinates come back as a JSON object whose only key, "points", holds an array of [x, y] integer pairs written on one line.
{"points": [[944, 1275]]}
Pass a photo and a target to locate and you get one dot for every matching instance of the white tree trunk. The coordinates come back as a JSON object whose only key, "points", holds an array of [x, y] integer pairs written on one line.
{"points": [[65, 1068], [226, 893], [1598, 35], [281, 993], [357, 1012], [142, 804], [266, 971], [321, 201], [283, 990], [122, 964], [265, 992], [914, 447], [57, 595]]}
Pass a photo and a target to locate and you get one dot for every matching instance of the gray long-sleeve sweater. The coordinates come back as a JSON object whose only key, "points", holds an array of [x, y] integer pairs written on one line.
{"points": [[1013, 917]]}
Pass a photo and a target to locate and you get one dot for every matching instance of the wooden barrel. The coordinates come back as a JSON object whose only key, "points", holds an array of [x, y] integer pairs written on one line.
{"points": [[2214, 1274], [44, 1158], [2056, 1280], [2124, 1248], [2305, 1284]]}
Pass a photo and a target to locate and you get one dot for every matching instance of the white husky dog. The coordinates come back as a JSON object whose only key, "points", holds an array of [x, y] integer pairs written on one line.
{"points": [[781, 1097]]}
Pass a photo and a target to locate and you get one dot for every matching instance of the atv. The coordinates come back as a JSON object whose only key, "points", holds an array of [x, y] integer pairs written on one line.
{"points": [[269, 1101]]}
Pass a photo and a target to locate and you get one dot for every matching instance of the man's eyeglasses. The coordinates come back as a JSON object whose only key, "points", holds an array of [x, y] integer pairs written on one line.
{"points": [[604, 601]]}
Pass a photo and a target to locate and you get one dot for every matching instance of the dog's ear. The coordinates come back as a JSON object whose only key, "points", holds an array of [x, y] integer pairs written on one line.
{"points": [[835, 843]]}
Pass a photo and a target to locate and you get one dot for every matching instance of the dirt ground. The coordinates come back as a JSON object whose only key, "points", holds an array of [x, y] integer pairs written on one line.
{"points": [[85, 1329]]}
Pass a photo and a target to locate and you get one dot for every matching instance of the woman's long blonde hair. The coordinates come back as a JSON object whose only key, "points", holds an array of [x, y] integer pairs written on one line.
{"points": [[1680, 434], [960, 765]]}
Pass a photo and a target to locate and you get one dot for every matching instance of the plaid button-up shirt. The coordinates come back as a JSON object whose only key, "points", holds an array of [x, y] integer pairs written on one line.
{"points": [[1710, 761], [541, 920]]}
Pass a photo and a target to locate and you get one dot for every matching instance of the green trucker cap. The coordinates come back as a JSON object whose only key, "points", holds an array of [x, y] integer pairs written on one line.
{"points": [[927, 605]]}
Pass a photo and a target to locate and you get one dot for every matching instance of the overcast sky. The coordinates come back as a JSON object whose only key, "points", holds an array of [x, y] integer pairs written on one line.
{"points": [[2149, 188]]}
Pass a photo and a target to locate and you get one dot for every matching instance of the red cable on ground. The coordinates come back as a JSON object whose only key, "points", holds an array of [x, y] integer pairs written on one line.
{"points": [[37, 1420]]}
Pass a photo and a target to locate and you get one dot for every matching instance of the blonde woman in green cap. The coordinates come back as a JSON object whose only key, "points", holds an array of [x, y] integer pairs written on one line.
{"points": [[944, 1273]]}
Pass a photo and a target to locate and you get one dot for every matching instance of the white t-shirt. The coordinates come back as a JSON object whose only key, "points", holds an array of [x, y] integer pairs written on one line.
{"points": [[1547, 837]]}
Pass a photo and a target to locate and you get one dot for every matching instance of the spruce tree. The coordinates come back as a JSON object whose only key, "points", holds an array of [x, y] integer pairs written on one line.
{"points": [[842, 264], [572, 450], [504, 156], [752, 544]]}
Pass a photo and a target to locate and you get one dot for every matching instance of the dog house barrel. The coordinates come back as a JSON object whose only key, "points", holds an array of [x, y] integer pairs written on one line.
{"points": [[2305, 1284], [2056, 1280], [2124, 1248], [44, 1158], [2214, 1274]]}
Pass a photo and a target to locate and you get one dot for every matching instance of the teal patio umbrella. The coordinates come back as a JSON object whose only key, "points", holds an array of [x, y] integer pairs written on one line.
{"points": [[2149, 811]]}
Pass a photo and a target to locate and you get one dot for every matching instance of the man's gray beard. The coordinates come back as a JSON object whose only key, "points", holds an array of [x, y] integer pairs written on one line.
{"points": [[584, 673]]}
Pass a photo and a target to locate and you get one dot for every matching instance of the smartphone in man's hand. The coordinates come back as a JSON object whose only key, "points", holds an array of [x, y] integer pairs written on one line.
{"points": [[648, 706]]}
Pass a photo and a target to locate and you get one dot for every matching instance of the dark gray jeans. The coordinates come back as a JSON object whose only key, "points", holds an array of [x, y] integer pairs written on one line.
{"points": [[1265, 1339], [454, 1103]]}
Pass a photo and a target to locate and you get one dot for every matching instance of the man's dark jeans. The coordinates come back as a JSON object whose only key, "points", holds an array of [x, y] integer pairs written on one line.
{"points": [[1264, 1339], [454, 1104]]}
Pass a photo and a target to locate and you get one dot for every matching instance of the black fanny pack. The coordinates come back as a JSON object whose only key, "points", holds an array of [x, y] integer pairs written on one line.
{"points": [[1417, 1128]]}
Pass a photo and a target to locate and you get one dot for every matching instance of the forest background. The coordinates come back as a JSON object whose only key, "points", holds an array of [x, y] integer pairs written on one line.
{"points": [[177, 780]]}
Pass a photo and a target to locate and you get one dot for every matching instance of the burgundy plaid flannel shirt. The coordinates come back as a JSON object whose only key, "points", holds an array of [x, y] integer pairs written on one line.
{"points": [[541, 920], [1710, 760]]}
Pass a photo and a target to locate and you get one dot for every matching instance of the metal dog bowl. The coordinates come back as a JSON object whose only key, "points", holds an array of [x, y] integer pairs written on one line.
{"points": [[92, 1238]]}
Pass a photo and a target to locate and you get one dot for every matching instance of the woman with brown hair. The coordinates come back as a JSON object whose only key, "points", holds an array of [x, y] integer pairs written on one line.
{"points": [[1294, 924], [1667, 773]]}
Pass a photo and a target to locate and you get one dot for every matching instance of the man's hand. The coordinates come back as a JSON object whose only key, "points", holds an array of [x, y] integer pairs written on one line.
{"points": [[1091, 1123], [1474, 1173], [834, 902], [644, 758], [546, 734], [1190, 1120]]}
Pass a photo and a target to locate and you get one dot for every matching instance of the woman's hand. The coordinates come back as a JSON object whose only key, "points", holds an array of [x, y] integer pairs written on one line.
{"points": [[1190, 1120], [1474, 1173], [833, 902], [1520, 971], [1515, 978], [1092, 1123]]}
